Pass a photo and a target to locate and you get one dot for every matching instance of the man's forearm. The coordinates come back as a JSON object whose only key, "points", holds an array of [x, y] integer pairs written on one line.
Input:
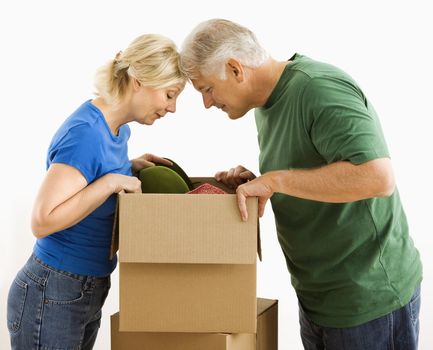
{"points": [[336, 183]]}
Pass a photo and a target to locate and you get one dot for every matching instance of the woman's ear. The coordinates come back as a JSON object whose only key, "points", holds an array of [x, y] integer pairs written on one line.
{"points": [[136, 84], [235, 69]]}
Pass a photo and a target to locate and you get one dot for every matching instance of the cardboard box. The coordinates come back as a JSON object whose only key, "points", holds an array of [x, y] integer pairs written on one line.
{"points": [[266, 337], [187, 263]]}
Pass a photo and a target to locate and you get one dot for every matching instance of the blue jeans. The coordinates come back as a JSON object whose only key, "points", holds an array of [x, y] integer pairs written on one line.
{"points": [[397, 330], [50, 309]]}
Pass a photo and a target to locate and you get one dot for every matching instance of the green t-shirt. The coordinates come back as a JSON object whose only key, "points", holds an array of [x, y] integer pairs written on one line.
{"points": [[350, 262]]}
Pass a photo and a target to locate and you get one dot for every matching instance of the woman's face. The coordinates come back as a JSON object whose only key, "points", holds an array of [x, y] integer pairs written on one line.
{"points": [[150, 104]]}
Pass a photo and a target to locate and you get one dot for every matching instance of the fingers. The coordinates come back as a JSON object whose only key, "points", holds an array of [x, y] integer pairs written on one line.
{"points": [[220, 175], [132, 185], [254, 188], [242, 204], [156, 159], [120, 182], [224, 177], [234, 176], [247, 175], [262, 205], [147, 160], [141, 163]]}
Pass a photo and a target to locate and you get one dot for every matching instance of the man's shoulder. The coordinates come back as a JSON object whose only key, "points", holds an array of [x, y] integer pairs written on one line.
{"points": [[315, 68]]}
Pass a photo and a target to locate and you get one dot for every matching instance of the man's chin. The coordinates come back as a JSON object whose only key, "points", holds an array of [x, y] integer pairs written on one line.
{"points": [[235, 115]]}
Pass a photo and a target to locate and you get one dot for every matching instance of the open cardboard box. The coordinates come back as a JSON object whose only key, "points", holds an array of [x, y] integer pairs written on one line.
{"points": [[266, 337], [187, 262]]}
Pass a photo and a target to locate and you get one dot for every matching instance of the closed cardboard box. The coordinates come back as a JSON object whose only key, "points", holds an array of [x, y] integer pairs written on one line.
{"points": [[187, 263], [266, 337]]}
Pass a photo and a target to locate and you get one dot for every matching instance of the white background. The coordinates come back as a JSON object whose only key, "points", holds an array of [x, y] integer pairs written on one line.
{"points": [[51, 49]]}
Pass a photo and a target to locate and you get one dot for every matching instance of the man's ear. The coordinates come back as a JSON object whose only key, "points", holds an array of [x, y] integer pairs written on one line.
{"points": [[235, 69]]}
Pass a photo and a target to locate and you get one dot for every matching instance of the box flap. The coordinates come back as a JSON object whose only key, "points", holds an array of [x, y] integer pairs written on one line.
{"points": [[267, 324], [115, 234], [259, 241], [182, 228], [264, 304]]}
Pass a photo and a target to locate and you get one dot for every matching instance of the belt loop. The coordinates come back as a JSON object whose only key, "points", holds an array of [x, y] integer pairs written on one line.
{"points": [[88, 283]]}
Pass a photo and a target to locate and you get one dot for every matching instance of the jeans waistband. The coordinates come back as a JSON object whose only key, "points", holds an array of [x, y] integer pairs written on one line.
{"points": [[82, 278]]}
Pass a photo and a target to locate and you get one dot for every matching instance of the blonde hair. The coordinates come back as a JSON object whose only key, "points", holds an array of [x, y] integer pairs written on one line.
{"points": [[212, 43], [151, 59]]}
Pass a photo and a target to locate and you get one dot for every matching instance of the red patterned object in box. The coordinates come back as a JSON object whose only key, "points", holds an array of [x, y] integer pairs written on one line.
{"points": [[207, 189]]}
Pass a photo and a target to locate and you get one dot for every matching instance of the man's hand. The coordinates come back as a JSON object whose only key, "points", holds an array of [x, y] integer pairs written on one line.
{"points": [[147, 160], [235, 176], [259, 187]]}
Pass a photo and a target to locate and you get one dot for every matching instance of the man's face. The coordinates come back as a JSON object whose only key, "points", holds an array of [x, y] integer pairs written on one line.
{"points": [[223, 94]]}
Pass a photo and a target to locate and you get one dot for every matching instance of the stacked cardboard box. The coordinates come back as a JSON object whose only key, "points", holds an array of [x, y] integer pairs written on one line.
{"points": [[264, 339], [187, 267]]}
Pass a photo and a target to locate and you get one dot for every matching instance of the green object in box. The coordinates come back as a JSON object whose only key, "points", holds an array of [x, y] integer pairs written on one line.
{"points": [[161, 179], [175, 167]]}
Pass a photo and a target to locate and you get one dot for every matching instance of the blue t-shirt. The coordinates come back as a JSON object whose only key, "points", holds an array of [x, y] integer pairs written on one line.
{"points": [[86, 142]]}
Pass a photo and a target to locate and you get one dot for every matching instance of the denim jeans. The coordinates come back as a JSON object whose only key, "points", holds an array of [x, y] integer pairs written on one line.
{"points": [[397, 330], [50, 309]]}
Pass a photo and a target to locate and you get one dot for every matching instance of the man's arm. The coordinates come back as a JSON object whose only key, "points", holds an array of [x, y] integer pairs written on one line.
{"points": [[338, 182]]}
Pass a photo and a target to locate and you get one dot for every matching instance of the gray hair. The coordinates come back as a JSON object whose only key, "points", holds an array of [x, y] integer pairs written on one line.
{"points": [[212, 43], [152, 59]]}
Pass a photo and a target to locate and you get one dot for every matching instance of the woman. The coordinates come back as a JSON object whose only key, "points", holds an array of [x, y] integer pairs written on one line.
{"points": [[55, 300]]}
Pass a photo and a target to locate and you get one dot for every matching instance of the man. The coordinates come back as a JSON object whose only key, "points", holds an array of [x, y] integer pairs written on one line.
{"points": [[327, 171]]}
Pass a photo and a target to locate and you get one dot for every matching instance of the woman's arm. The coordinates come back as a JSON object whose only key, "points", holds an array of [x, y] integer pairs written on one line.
{"points": [[65, 199]]}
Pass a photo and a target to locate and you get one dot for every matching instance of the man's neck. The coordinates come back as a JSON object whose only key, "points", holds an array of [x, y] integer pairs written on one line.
{"points": [[266, 78]]}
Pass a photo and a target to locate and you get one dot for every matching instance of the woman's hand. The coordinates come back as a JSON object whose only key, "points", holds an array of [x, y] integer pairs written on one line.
{"points": [[126, 183], [147, 160]]}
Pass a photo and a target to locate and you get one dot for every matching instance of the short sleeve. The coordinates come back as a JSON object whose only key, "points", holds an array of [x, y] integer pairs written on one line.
{"points": [[80, 148], [342, 124]]}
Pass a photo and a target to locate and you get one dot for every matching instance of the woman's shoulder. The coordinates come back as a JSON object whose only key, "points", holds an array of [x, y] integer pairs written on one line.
{"points": [[81, 124], [86, 115]]}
